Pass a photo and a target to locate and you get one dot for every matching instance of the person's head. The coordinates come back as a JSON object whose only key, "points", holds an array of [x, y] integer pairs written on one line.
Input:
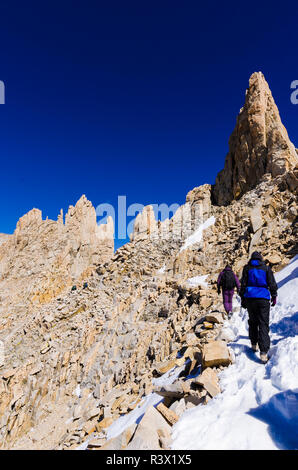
{"points": [[228, 266], [256, 255]]}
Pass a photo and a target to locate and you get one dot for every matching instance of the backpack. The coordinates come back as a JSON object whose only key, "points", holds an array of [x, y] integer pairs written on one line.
{"points": [[228, 280]]}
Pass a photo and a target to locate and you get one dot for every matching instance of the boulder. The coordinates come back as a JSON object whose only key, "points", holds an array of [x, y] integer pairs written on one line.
{"points": [[209, 380], [178, 407], [146, 436], [164, 439], [273, 258], [215, 353], [168, 414], [165, 366], [191, 339], [255, 240], [205, 302], [176, 390], [121, 441], [256, 219]]}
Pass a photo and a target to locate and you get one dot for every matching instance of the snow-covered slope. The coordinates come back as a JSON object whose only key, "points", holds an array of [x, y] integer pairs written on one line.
{"points": [[258, 406]]}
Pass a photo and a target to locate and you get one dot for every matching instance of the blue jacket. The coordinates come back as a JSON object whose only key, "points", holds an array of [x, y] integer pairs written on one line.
{"points": [[258, 281]]}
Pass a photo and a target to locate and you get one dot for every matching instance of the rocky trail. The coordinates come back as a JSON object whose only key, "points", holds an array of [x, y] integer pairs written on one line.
{"points": [[257, 408]]}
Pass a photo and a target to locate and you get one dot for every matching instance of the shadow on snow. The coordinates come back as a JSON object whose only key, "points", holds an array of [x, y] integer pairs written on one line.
{"points": [[286, 327], [281, 415], [243, 348]]}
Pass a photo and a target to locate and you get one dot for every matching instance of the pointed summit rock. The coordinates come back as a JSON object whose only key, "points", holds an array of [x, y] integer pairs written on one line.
{"points": [[144, 224], [258, 145]]}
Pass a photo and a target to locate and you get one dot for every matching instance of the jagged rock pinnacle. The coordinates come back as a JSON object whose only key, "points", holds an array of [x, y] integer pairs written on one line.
{"points": [[258, 145], [53, 253]]}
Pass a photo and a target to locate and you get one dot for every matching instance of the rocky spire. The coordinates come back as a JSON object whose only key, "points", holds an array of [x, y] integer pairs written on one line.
{"points": [[53, 254], [258, 145], [144, 224]]}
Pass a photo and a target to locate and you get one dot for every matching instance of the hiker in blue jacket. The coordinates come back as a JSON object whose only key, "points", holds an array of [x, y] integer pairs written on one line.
{"points": [[258, 286]]}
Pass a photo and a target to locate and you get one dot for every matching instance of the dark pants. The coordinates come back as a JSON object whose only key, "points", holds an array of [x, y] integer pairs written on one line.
{"points": [[227, 296], [258, 323]]}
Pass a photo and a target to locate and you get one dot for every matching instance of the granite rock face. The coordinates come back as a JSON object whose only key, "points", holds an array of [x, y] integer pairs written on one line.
{"points": [[259, 145]]}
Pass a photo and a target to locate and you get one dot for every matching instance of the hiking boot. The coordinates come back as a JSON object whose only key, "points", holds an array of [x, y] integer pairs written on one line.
{"points": [[230, 314], [254, 347], [264, 358]]}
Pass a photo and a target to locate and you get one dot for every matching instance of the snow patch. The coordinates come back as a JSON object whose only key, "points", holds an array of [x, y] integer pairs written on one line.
{"points": [[162, 270], [198, 281], [196, 237]]}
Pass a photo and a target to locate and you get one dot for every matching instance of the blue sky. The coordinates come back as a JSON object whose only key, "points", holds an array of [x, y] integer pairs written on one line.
{"points": [[135, 99]]}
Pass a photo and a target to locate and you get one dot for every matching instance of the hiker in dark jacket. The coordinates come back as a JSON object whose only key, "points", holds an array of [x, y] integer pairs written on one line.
{"points": [[227, 281], [258, 285]]}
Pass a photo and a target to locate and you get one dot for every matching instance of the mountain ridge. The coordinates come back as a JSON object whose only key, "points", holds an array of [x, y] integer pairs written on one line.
{"points": [[75, 360]]}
